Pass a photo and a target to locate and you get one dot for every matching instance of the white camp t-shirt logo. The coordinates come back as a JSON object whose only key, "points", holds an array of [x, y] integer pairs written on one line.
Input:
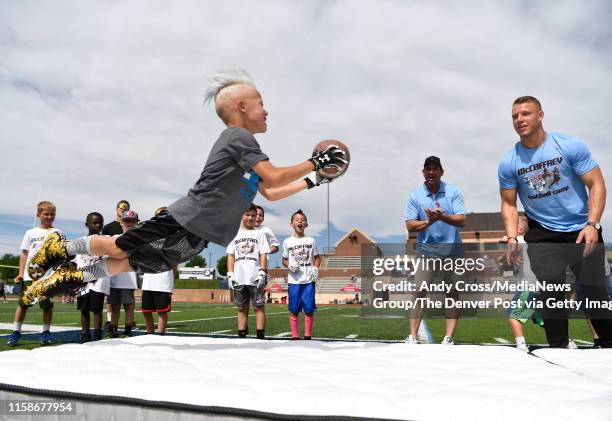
{"points": [[301, 255], [245, 249]]}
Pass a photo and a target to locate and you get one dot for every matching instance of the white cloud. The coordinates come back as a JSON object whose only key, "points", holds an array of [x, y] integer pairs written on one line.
{"points": [[102, 100]]}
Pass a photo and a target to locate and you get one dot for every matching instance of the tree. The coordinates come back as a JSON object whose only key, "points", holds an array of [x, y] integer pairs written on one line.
{"points": [[196, 260], [9, 260], [222, 265]]}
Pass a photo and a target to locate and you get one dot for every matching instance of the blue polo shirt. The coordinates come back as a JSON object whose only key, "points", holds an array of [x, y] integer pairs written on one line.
{"points": [[439, 237], [548, 182]]}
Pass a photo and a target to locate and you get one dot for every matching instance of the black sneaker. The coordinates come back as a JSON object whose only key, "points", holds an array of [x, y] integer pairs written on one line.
{"points": [[97, 335], [85, 336], [127, 332], [112, 333]]}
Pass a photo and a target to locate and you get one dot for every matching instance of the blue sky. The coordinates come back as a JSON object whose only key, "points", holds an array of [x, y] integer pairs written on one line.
{"points": [[102, 100]]}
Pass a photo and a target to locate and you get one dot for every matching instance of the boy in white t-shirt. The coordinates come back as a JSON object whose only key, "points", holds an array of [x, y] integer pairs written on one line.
{"points": [[157, 296], [247, 261], [32, 240], [122, 288], [272, 241], [91, 297], [301, 257]]}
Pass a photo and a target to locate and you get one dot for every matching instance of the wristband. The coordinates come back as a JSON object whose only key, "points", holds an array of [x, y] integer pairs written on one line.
{"points": [[309, 183]]}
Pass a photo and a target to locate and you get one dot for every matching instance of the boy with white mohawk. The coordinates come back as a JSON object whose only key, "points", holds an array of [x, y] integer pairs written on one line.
{"points": [[236, 169]]}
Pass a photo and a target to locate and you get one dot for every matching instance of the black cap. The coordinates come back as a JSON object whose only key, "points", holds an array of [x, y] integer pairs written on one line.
{"points": [[433, 160]]}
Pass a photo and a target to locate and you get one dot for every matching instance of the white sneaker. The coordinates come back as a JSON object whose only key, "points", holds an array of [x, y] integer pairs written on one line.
{"points": [[521, 345], [571, 345], [448, 340], [411, 340]]}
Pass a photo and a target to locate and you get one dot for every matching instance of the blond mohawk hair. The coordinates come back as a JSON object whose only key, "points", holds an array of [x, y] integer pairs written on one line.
{"points": [[223, 79]]}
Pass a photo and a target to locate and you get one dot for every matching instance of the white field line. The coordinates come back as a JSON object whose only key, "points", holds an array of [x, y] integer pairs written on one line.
{"points": [[37, 328], [351, 336], [502, 340], [226, 317], [283, 335], [582, 342], [218, 332]]}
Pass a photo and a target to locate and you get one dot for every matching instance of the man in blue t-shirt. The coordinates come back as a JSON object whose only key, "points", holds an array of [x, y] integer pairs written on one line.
{"points": [[435, 210], [549, 172]]}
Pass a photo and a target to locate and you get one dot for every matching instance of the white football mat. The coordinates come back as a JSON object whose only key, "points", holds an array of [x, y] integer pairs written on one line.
{"points": [[176, 377]]}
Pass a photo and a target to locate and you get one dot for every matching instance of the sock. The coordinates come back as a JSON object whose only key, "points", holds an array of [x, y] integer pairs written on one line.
{"points": [[308, 320], [96, 271], [46, 327], [242, 333], [17, 326], [260, 333], [596, 342], [128, 329], [79, 246], [294, 322], [520, 340]]}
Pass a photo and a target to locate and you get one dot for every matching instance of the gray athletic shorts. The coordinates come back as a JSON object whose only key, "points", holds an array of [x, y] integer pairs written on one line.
{"points": [[121, 296], [245, 294]]}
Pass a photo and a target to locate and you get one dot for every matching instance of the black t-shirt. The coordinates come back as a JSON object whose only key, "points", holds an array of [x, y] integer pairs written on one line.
{"points": [[114, 228]]}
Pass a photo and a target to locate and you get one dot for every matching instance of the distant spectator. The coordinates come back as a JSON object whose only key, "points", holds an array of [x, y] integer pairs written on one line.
{"points": [[2, 291], [112, 229], [157, 291], [32, 241], [91, 298], [122, 288], [301, 257], [247, 260], [272, 240]]}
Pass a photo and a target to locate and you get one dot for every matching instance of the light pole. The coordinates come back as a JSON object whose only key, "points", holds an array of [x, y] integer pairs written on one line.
{"points": [[328, 248]]}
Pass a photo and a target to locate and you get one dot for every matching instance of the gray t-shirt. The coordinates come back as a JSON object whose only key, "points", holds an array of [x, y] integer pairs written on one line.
{"points": [[214, 206]]}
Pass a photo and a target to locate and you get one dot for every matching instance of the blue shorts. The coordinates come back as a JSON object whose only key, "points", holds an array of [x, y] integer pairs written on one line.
{"points": [[302, 297]]}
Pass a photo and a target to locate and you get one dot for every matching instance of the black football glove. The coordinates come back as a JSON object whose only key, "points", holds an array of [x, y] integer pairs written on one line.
{"points": [[330, 157]]}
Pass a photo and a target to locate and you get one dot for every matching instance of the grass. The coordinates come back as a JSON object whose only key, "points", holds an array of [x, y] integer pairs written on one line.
{"points": [[336, 322]]}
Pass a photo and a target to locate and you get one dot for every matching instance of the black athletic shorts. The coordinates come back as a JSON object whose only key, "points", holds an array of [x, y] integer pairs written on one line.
{"points": [[245, 294], [92, 301], [159, 244], [156, 301]]}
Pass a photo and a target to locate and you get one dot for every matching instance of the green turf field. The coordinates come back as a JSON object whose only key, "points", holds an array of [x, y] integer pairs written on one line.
{"points": [[335, 322]]}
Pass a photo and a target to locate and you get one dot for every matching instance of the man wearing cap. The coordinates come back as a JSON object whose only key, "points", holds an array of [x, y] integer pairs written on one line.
{"points": [[114, 228], [122, 287], [435, 210]]}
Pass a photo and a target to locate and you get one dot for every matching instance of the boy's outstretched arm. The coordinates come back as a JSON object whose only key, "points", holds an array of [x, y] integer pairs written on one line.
{"points": [[277, 193], [272, 176]]}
